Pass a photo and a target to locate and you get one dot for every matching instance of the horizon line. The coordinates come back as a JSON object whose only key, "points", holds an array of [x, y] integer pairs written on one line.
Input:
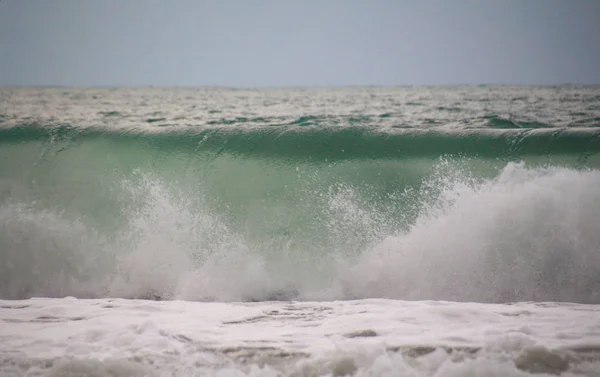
{"points": [[190, 86]]}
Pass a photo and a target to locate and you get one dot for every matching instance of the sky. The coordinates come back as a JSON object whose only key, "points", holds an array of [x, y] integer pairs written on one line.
{"points": [[263, 43]]}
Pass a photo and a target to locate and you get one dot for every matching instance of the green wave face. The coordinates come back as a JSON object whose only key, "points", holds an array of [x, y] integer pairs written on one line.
{"points": [[270, 206], [251, 174]]}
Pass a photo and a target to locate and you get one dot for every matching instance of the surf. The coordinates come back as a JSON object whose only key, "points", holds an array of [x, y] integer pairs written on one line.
{"points": [[481, 197], [508, 233]]}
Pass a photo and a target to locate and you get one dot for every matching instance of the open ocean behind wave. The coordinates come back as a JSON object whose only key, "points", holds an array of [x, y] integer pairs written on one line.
{"points": [[451, 231]]}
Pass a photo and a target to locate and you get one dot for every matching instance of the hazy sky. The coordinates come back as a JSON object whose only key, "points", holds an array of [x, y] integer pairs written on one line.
{"points": [[302, 42]]}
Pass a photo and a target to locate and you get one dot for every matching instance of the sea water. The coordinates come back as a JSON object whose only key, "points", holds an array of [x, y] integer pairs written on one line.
{"points": [[427, 231]]}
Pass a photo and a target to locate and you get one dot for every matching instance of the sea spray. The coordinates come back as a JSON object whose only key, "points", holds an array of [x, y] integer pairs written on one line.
{"points": [[527, 234]]}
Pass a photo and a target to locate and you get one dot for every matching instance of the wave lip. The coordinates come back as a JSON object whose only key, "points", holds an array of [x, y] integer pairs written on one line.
{"points": [[331, 143]]}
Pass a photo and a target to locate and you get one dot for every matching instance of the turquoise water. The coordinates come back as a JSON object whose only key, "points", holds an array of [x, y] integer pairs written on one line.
{"points": [[484, 194]]}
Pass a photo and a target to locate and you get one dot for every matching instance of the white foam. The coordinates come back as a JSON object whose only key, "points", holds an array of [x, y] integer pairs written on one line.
{"points": [[67, 337]]}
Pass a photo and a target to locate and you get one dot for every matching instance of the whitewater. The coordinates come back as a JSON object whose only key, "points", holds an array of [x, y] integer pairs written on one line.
{"points": [[410, 231]]}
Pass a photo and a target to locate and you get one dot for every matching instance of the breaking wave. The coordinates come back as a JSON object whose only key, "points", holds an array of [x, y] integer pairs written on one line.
{"points": [[178, 216]]}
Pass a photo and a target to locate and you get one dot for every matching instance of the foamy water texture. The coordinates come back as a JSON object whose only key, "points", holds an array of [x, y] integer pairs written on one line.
{"points": [[300, 232], [115, 337]]}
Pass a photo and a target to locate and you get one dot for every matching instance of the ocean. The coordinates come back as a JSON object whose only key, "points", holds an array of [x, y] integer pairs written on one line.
{"points": [[360, 231]]}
